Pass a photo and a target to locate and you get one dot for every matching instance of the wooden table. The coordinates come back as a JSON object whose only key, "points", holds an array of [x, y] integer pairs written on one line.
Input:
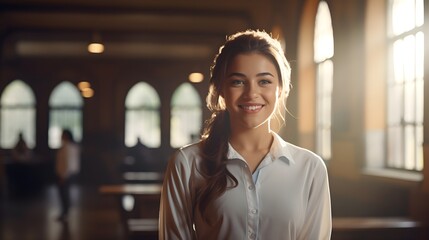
{"points": [[148, 189], [138, 207]]}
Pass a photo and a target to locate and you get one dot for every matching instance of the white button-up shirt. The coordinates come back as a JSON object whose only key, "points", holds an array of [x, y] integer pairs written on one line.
{"points": [[287, 197]]}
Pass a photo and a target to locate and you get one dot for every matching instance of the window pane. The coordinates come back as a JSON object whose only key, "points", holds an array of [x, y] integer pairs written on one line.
{"points": [[65, 113], [395, 147], [419, 54], [186, 96], [18, 93], [65, 94], [143, 124], [323, 34], [419, 101], [61, 118], [324, 105], [419, 13], [406, 88], [410, 147], [408, 58], [419, 148], [17, 114], [142, 118], [186, 115], [409, 102], [326, 144], [403, 16], [323, 52], [142, 95], [395, 105], [398, 54]]}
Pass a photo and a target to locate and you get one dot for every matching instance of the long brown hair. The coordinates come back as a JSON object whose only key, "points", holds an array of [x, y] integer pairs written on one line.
{"points": [[214, 145]]}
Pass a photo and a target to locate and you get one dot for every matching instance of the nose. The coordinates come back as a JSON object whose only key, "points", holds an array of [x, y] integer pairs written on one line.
{"points": [[251, 90]]}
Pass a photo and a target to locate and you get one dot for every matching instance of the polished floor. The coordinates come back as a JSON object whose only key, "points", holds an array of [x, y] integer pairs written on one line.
{"points": [[33, 216], [94, 216]]}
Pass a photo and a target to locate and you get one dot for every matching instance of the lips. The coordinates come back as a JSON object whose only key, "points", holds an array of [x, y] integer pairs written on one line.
{"points": [[251, 107]]}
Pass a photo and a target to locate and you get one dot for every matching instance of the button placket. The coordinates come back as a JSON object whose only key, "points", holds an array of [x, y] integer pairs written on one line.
{"points": [[252, 221]]}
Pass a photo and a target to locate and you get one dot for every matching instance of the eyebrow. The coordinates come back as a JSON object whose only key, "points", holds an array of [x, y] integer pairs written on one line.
{"points": [[237, 74]]}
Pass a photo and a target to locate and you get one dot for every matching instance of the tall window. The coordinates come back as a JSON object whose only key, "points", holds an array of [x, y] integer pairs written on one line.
{"points": [[405, 85], [186, 115], [17, 115], [323, 52], [65, 105], [142, 120]]}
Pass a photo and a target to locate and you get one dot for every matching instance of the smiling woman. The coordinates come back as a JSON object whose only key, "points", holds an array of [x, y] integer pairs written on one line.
{"points": [[251, 90], [242, 180]]}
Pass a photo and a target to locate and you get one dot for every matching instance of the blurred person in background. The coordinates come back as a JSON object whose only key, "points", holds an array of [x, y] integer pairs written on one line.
{"points": [[67, 169]]}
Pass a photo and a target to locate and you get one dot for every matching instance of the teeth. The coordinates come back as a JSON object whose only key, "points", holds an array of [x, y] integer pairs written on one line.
{"points": [[251, 108]]}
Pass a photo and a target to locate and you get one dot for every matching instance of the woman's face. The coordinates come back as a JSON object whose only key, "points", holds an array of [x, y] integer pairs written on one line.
{"points": [[251, 89]]}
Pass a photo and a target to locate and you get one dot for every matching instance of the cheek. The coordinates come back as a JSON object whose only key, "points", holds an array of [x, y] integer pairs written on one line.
{"points": [[230, 95]]}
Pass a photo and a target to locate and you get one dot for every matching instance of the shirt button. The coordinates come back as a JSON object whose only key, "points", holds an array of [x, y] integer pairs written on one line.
{"points": [[254, 211], [251, 187], [252, 236]]}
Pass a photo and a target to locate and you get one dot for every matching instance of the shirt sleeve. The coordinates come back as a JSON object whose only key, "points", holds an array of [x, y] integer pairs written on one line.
{"points": [[176, 208], [318, 220]]}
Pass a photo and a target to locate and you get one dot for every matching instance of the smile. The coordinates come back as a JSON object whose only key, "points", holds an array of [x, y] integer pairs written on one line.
{"points": [[251, 108]]}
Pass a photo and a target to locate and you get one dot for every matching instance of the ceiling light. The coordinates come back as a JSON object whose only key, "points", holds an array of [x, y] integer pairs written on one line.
{"points": [[84, 84], [96, 46], [87, 92], [196, 77]]}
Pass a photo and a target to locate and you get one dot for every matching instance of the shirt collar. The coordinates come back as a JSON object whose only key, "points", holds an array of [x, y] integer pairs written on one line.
{"points": [[279, 150]]}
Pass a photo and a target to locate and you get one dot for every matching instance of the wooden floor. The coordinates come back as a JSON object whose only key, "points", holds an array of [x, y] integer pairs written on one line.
{"points": [[33, 217], [95, 216]]}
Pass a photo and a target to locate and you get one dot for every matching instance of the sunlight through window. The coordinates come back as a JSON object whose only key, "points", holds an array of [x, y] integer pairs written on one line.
{"points": [[17, 114], [65, 105], [323, 52], [405, 87], [186, 116], [142, 117]]}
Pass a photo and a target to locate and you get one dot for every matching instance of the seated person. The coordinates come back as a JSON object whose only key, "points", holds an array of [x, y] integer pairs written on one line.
{"points": [[21, 152]]}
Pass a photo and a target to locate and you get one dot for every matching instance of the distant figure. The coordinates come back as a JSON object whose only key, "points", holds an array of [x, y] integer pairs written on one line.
{"points": [[67, 167], [139, 158], [21, 152]]}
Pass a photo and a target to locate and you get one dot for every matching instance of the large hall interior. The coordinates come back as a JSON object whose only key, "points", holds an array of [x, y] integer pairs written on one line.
{"points": [[130, 78]]}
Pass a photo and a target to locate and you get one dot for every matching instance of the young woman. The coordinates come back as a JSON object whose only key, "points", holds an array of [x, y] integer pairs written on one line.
{"points": [[67, 167], [242, 180]]}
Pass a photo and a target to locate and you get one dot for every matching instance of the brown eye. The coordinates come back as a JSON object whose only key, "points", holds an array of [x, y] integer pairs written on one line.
{"points": [[265, 82], [237, 83]]}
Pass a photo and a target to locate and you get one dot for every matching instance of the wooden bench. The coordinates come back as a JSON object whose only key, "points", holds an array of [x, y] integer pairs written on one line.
{"points": [[142, 228], [143, 177], [368, 228]]}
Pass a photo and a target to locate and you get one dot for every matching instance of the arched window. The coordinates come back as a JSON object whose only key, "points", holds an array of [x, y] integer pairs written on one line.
{"points": [[186, 115], [17, 114], [405, 90], [142, 117], [323, 53], [65, 105]]}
